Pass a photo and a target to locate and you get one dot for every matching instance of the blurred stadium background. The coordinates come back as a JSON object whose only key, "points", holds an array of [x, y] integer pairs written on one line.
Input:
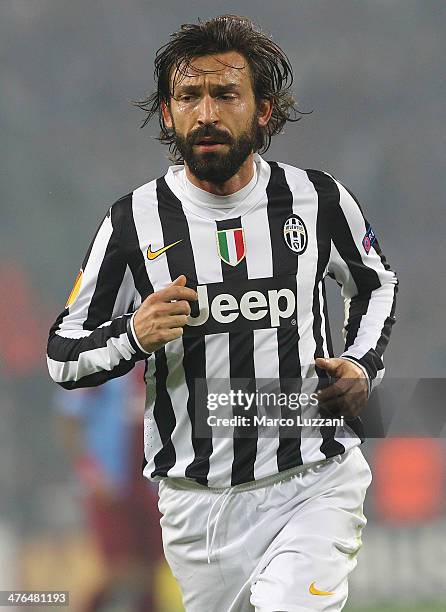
{"points": [[371, 73]]}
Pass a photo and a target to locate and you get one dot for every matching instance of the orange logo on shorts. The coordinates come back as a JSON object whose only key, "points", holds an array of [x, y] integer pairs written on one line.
{"points": [[314, 591]]}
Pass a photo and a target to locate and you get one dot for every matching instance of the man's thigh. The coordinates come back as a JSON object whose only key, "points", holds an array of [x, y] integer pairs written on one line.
{"points": [[271, 544], [307, 566], [206, 585]]}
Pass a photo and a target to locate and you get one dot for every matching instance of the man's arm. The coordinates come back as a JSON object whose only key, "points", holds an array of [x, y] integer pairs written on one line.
{"points": [[91, 340], [369, 288], [98, 336]]}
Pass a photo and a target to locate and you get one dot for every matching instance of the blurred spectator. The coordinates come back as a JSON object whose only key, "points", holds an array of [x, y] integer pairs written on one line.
{"points": [[22, 330], [409, 480], [101, 429]]}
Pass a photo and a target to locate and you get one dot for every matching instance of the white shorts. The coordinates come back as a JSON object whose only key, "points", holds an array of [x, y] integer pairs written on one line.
{"points": [[286, 543]]}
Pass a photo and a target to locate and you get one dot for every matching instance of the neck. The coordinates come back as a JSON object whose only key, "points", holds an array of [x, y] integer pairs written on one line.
{"points": [[235, 183]]}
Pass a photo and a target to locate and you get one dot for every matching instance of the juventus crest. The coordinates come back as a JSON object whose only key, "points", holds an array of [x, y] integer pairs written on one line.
{"points": [[295, 234]]}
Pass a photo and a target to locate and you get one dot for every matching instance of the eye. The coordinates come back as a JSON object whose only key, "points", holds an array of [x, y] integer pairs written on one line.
{"points": [[227, 97]]}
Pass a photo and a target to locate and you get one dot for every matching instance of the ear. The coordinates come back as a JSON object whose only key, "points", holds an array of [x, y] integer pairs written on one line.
{"points": [[167, 117], [265, 109]]}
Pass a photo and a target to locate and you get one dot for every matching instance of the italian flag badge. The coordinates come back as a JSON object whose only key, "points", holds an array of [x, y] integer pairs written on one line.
{"points": [[231, 245]]}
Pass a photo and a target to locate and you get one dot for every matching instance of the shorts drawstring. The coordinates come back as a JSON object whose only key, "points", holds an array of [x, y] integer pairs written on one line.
{"points": [[226, 494]]}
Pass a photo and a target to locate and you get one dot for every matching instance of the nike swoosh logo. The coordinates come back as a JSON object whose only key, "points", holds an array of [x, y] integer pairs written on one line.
{"points": [[154, 254], [314, 591]]}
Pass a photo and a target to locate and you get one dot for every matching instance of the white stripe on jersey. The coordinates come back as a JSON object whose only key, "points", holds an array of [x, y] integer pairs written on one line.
{"points": [[218, 377], [150, 233]]}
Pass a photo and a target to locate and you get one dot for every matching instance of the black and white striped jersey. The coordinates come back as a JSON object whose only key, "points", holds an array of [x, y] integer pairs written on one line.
{"points": [[259, 267]]}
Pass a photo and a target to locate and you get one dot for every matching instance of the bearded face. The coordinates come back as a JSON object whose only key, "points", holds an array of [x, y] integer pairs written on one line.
{"points": [[214, 116], [212, 154]]}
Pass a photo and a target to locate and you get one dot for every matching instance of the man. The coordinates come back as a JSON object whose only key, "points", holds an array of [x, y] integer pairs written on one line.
{"points": [[215, 273]]}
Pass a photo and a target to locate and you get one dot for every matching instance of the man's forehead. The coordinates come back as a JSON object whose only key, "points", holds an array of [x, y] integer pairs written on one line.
{"points": [[218, 67]]}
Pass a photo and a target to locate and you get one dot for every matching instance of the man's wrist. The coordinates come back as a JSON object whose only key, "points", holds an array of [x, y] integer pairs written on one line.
{"points": [[366, 374], [133, 338]]}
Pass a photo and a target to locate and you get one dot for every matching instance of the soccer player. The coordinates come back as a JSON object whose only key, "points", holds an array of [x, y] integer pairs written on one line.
{"points": [[214, 274]]}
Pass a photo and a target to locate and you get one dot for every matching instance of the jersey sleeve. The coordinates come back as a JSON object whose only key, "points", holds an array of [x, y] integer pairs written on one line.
{"points": [[92, 340], [368, 286]]}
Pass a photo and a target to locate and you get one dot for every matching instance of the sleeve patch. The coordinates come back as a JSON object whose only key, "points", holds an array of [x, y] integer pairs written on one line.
{"points": [[368, 240], [75, 290]]}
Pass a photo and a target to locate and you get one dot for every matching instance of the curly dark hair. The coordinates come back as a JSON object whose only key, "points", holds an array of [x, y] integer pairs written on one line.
{"points": [[271, 71]]}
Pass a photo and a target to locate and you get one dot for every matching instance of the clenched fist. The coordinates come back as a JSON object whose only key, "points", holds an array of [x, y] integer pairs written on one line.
{"points": [[163, 314], [348, 395]]}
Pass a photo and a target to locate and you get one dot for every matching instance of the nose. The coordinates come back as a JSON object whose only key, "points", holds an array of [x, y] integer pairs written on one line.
{"points": [[207, 111]]}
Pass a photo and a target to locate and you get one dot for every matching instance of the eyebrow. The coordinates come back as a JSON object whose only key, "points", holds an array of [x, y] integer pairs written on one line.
{"points": [[193, 89]]}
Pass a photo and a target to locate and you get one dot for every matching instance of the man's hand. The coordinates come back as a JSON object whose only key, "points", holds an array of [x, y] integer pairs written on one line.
{"points": [[163, 314], [348, 395]]}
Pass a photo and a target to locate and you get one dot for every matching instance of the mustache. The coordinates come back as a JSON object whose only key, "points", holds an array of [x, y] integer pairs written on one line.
{"points": [[209, 131]]}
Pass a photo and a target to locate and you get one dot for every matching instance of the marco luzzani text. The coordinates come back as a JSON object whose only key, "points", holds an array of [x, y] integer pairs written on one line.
{"points": [[248, 402]]}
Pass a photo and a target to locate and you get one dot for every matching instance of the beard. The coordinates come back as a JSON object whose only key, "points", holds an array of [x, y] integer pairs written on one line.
{"points": [[215, 166]]}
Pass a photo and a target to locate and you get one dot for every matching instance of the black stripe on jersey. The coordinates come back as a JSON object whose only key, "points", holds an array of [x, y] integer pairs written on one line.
{"points": [[328, 198], [164, 417], [110, 274], [181, 261], [279, 208], [241, 366], [357, 309], [58, 322], [327, 321]]}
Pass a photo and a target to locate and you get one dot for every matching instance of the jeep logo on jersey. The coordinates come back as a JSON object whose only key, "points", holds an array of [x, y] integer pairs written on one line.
{"points": [[231, 245], [295, 234], [259, 303]]}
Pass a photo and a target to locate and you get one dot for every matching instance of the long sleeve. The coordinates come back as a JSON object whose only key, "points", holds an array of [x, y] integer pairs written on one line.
{"points": [[368, 285], [92, 341]]}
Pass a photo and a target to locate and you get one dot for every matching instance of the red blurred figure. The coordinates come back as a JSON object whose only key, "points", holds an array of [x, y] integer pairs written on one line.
{"points": [[409, 480]]}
